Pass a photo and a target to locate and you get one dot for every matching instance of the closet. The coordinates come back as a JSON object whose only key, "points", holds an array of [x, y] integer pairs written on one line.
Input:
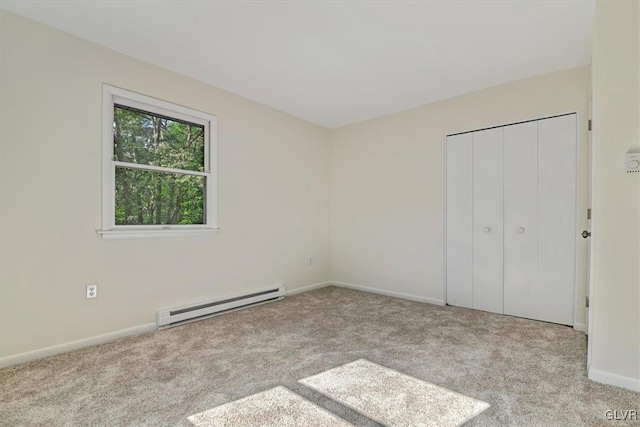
{"points": [[511, 219]]}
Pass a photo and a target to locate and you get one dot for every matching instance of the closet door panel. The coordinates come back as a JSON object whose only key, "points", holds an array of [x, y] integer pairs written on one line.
{"points": [[520, 220], [487, 219], [459, 220], [557, 218]]}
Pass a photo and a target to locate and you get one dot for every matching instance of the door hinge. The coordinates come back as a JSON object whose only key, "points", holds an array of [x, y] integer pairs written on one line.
{"points": [[589, 213], [586, 302], [590, 125]]}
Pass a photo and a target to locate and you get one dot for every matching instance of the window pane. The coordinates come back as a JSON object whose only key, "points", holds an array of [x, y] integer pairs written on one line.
{"points": [[151, 139], [145, 197]]}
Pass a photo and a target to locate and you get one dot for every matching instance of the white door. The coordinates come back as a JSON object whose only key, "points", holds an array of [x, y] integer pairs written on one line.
{"points": [[487, 219], [459, 206], [557, 232], [521, 220], [511, 219]]}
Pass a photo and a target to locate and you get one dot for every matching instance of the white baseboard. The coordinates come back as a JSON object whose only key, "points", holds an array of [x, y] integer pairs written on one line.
{"points": [[74, 345], [307, 288], [388, 293], [580, 327], [614, 379]]}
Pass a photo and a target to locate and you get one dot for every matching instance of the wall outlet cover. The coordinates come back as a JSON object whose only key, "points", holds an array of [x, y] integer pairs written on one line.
{"points": [[92, 291]]}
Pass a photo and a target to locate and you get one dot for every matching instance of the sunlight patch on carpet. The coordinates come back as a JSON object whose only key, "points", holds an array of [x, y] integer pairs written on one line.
{"points": [[276, 407], [393, 398]]}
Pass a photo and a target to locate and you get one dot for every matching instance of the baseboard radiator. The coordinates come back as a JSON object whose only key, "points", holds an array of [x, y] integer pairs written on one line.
{"points": [[181, 315]]}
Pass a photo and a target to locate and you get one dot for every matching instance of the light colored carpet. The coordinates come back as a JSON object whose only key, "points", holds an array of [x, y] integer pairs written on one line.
{"points": [[393, 398], [277, 407], [532, 373]]}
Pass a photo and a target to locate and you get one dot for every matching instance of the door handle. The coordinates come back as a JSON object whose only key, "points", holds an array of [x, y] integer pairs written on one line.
{"points": [[585, 234]]}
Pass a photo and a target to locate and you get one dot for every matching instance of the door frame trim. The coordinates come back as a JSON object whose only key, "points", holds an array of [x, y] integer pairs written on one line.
{"points": [[592, 228]]}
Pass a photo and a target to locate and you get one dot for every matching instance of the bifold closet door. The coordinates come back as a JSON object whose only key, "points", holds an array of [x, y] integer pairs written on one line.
{"points": [[459, 206], [557, 158], [488, 219], [521, 220]]}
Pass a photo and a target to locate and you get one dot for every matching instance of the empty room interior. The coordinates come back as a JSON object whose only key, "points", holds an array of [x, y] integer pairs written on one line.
{"points": [[320, 213]]}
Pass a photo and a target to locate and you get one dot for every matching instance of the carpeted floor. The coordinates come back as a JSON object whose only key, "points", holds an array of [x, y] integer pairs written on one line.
{"points": [[278, 407], [393, 398], [531, 373]]}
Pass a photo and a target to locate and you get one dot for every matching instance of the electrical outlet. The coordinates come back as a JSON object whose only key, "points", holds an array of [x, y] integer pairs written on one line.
{"points": [[310, 261], [92, 291]]}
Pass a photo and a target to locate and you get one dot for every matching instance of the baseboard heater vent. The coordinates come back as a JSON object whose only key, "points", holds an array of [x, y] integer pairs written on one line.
{"points": [[191, 313]]}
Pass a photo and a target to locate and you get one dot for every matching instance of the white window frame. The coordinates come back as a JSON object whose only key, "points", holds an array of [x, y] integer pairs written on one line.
{"points": [[112, 95]]}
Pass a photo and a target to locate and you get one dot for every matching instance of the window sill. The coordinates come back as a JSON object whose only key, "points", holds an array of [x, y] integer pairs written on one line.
{"points": [[156, 233]]}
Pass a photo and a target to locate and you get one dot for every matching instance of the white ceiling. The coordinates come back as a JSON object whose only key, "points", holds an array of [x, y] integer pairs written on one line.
{"points": [[336, 62]]}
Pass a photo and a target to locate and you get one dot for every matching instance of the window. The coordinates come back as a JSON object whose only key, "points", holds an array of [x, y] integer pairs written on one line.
{"points": [[158, 171]]}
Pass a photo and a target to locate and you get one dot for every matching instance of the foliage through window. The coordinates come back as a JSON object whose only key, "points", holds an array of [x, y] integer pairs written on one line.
{"points": [[159, 166]]}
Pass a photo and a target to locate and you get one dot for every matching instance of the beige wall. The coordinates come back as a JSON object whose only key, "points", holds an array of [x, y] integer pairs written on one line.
{"points": [[273, 204], [616, 286], [387, 209]]}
